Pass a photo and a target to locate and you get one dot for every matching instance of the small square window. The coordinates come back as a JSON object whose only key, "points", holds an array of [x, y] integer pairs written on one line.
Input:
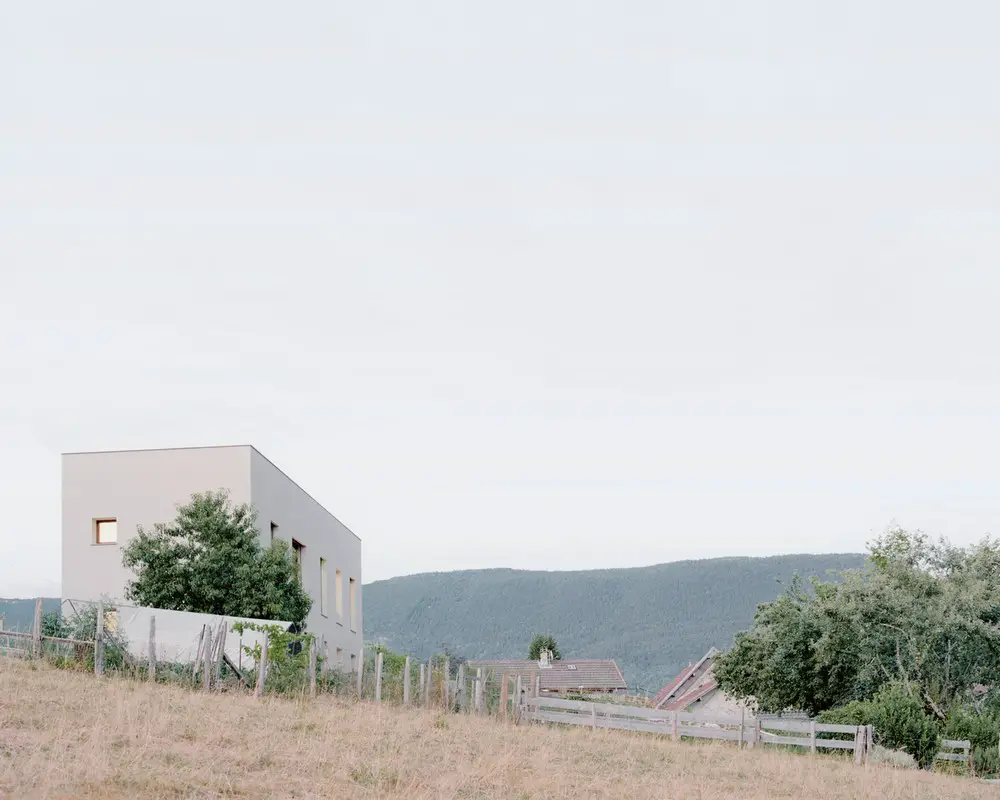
{"points": [[106, 531]]}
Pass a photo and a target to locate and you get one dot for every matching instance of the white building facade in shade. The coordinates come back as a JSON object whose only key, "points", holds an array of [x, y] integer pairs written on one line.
{"points": [[106, 496]]}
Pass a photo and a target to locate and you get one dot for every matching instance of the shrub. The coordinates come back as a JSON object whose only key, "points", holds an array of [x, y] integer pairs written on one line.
{"points": [[983, 731], [287, 657], [900, 722]]}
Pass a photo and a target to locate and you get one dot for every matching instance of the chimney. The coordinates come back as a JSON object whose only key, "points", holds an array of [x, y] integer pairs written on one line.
{"points": [[544, 658]]}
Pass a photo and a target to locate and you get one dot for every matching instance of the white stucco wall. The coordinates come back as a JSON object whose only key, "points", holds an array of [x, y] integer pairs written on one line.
{"points": [[178, 632]]}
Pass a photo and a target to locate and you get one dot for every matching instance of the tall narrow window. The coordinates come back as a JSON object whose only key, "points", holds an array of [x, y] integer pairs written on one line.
{"points": [[298, 550], [338, 596], [324, 607], [354, 606], [274, 531], [106, 531]]}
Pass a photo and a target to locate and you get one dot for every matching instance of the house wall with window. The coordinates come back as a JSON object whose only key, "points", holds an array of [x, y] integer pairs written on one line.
{"points": [[107, 495], [318, 539]]}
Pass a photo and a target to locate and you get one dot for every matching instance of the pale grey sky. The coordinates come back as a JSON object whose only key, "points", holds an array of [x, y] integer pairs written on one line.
{"points": [[554, 285]]}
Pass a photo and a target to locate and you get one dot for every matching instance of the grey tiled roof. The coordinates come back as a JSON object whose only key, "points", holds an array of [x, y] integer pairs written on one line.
{"points": [[601, 674]]}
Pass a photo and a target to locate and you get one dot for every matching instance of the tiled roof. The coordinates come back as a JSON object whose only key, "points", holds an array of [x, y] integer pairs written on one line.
{"points": [[692, 697], [567, 675], [691, 678]]}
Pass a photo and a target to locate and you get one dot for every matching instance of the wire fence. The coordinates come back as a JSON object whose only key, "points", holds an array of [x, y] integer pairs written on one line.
{"points": [[250, 656]]}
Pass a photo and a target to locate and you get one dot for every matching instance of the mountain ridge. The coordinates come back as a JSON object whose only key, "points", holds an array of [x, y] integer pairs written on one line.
{"points": [[652, 620]]}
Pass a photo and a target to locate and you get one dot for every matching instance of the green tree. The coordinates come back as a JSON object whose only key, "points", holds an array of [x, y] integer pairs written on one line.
{"points": [[543, 641], [922, 615], [209, 560]]}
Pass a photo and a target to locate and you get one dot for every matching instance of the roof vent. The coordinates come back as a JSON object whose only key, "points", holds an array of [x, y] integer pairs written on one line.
{"points": [[571, 666]]}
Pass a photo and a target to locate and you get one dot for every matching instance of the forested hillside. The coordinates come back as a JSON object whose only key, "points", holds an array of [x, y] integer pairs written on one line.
{"points": [[652, 620]]}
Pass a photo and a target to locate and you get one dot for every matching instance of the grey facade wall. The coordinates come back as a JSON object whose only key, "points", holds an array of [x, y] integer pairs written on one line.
{"points": [[140, 487], [299, 517], [145, 487]]}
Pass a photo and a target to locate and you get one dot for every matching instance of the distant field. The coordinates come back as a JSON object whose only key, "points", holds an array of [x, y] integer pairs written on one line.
{"points": [[68, 735]]}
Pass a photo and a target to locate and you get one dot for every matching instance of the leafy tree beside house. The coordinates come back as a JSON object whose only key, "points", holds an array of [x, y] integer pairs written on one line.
{"points": [[210, 560], [543, 641]]}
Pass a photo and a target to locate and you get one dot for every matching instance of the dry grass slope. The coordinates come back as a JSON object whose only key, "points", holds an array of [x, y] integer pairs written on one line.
{"points": [[71, 735]]}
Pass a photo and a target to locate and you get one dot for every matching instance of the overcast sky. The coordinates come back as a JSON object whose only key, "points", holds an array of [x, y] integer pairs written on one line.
{"points": [[554, 285]]}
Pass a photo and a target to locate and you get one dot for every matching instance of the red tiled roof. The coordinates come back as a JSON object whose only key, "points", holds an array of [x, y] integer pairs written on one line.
{"points": [[666, 691], [695, 675], [692, 697]]}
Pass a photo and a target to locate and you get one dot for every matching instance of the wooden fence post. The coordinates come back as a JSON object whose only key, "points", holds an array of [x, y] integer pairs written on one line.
{"points": [[858, 744], [429, 684], [99, 640], [261, 667], [504, 694], [206, 677], [869, 740], [421, 679], [518, 698], [361, 670], [673, 726], [593, 716], [220, 652], [197, 654], [538, 685], [312, 668], [446, 684], [812, 736], [152, 648], [480, 693], [378, 677], [37, 629], [406, 680], [743, 725], [461, 690]]}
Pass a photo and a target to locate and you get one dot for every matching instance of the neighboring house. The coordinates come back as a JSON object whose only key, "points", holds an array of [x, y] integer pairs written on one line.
{"points": [[573, 676], [695, 691], [106, 495]]}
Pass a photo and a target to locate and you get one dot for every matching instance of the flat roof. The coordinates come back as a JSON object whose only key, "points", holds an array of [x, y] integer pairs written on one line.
{"points": [[214, 447]]}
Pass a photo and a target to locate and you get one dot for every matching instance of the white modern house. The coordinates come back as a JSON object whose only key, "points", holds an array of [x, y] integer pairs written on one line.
{"points": [[107, 495]]}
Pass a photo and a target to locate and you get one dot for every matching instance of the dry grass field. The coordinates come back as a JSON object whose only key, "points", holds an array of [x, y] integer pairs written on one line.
{"points": [[66, 735]]}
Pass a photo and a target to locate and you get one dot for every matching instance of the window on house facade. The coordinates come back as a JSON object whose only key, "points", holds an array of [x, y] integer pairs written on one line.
{"points": [[106, 531], [274, 531], [324, 607], [298, 551], [353, 605], [340, 657], [338, 594]]}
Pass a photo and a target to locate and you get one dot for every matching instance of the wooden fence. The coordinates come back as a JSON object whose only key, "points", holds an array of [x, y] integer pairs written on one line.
{"points": [[949, 746], [430, 685], [804, 733]]}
